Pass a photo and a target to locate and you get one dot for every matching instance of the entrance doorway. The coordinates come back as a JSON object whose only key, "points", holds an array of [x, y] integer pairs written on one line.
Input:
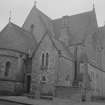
{"points": [[28, 83]]}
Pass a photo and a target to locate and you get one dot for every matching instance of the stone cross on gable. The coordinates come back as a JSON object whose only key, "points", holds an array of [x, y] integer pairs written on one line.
{"points": [[10, 15], [94, 5], [35, 3]]}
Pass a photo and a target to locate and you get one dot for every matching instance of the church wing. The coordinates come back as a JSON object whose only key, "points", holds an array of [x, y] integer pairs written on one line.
{"points": [[74, 29], [34, 24], [15, 38]]}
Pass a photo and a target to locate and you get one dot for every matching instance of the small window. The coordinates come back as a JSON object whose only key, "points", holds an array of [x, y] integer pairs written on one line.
{"points": [[7, 68], [43, 78], [67, 78], [43, 59], [47, 59], [28, 83], [32, 28]]}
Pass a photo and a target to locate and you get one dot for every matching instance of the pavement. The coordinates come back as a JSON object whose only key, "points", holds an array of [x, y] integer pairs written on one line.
{"points": [[55, 101]]}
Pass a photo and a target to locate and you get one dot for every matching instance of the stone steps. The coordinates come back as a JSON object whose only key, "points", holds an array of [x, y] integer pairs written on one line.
{"points": [[67, 92]]}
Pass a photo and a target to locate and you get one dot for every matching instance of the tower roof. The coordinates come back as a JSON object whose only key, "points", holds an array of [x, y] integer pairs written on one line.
{"points": [[14, 37]]}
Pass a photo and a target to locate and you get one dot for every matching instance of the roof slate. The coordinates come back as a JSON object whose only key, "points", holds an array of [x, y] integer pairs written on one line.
{"points": [[16, 38], [75, 27], [33, 18]]}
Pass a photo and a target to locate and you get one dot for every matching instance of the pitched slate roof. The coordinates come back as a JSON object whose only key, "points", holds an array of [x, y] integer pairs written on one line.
{"points": [[76, 27], [14, 37], [33, 18], [98, 45], [79, 26], [48, 27], [43, 26]]}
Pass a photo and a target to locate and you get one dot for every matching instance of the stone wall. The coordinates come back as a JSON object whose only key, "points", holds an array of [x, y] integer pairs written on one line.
{"points": [[11, 74], [50, 72], [97, 81]]}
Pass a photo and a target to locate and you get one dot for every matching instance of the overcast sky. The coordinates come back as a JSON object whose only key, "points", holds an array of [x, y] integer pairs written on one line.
{"points": [[53, 8]]}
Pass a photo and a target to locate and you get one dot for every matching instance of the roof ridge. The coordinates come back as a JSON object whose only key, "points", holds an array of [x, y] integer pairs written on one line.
{"points": [[81, 13], [37, 11], [38, 45], [23, 30], [14, 31], [4, 28], [52, 38]]}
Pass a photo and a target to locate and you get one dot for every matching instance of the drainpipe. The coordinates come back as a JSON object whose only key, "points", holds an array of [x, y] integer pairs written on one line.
{"points": [[76, 67], [85, 83]]}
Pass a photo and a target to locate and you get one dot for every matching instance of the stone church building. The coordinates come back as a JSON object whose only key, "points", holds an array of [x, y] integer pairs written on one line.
{"points": [[44, 54], [15, 45]]}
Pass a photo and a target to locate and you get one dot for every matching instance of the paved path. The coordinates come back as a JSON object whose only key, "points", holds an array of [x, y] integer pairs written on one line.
{"points": [[56, 101]]}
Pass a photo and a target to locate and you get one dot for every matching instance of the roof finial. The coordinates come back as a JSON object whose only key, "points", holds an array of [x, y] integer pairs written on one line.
{"points": [[104, 23], [93, 4], [10, 15], [35, 3]]}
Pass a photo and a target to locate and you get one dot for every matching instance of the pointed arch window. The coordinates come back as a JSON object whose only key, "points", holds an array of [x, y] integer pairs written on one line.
{"points": [[32, 28], [43, 78], [43, 57], [45, 60], [7, 68]]}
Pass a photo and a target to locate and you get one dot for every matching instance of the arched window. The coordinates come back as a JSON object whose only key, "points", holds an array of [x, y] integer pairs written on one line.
{"points": [[32, 28], [47, 59], [7, 68], [43, 78], [43, 59], [28, 83]]}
